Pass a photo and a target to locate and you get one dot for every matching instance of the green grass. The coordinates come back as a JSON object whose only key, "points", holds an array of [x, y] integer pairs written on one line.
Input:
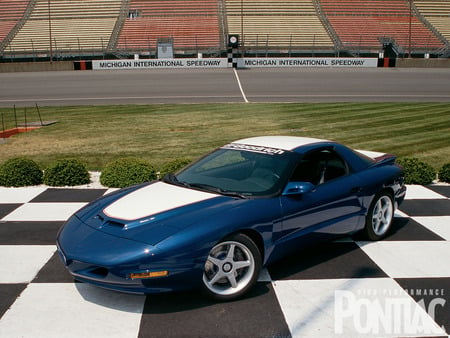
{"points": [[160, 133]]}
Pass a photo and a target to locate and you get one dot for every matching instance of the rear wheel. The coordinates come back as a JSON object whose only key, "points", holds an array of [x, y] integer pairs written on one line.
{"points": [[232, 267], [380, 216]]}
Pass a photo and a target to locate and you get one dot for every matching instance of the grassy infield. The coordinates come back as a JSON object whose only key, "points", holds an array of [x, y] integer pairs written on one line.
{"points": [[159, 133]]}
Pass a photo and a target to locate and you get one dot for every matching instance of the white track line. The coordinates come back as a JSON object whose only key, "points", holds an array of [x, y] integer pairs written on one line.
{"points": [[240, 86]]}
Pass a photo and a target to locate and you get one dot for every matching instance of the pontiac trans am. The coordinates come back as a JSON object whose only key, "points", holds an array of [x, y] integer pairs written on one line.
{"points": [[217, 222]]}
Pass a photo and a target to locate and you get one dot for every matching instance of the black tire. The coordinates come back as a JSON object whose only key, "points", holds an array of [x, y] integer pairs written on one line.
{"points": [[232, 268], [379, 217]]}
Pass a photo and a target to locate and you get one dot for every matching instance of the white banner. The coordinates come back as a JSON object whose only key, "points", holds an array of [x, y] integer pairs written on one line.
{"points": [[159, 63], [307, 62], [241, 63]]}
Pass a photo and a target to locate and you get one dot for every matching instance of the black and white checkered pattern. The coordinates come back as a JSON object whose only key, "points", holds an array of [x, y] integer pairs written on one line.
{"points": [[296, 297], [232, 57]]}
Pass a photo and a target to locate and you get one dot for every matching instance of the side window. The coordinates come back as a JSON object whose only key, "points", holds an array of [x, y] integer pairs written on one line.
{"points": [[319, 167]]}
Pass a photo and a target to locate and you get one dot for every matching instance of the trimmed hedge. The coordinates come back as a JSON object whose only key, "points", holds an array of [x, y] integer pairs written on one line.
{"points": [[127, 171], [173, 166], [66, 172], [417, 172], [20, 172], [444, 173]]}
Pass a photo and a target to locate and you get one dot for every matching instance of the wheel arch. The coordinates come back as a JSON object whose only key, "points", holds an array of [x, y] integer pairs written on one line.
{"points": [[384, 189], [255, 237], [387, 189]]}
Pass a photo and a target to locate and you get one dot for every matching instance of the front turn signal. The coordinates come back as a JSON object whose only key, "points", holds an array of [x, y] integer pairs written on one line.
{"points": [[149, 274]]}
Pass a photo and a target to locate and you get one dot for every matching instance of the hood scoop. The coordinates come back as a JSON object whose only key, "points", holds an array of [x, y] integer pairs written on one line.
{"points": [[109, 222]]}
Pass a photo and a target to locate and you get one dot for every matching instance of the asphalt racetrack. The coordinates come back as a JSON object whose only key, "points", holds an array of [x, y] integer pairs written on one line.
{"points": [[225, 85]]}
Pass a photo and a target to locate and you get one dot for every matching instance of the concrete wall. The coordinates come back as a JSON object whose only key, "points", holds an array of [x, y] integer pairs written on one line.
{"points": [[69, 65], [35, 66], [423, 63]]}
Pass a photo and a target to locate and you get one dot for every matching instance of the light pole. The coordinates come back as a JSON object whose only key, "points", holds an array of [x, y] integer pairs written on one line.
{"points": [[50, 32], [242, 20], [410, 27]]}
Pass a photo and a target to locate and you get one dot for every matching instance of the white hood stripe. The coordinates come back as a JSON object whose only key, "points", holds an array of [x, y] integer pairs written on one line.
{"points": [[153, 199]]}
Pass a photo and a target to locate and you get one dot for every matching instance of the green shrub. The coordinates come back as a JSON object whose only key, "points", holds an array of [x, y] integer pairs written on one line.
{"points": [[66, 172], [20, 172], [444, 173], [417, 172], [127, 171], [173, 166]]}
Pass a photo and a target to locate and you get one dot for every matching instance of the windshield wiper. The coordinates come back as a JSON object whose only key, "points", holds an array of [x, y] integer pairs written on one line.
{"points": [[218, 190], [172, 179], [233, 194]]}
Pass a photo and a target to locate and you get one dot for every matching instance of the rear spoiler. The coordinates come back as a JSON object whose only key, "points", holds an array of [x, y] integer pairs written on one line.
{"points": [[379, 158]]}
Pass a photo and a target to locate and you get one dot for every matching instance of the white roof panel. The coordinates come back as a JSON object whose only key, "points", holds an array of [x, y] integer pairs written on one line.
{"points": [[279, 142]]}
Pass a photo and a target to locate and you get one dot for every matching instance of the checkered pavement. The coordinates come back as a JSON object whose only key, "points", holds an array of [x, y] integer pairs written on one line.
{"points": [[398, 287]]}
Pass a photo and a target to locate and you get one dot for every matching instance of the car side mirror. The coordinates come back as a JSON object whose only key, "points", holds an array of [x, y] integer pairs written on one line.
{"points": [[298, 188]]}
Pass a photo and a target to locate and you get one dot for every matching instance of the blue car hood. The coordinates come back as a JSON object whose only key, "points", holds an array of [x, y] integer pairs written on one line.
{"points": [[156, 211]]}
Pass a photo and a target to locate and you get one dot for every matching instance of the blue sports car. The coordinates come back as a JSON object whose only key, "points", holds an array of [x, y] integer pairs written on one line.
{"points": [[216, 223]]}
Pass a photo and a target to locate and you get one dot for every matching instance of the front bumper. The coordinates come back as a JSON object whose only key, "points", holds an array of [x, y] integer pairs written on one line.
{"points": [[98, 258]]}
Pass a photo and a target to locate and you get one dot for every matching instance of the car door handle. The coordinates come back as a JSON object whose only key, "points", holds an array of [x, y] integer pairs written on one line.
{"points": [[355, 190]]}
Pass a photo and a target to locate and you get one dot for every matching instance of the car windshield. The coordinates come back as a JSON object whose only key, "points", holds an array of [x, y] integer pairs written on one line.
{"points": [[247, 172]]}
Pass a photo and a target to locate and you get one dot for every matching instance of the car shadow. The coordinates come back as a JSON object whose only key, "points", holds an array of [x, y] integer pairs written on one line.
{"points": [[196, 299], [110, 299], [331, 260], [163, 302]]}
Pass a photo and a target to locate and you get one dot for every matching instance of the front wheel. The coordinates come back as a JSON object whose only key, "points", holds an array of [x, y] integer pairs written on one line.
{"points": [[232, 267], [380, 216]]}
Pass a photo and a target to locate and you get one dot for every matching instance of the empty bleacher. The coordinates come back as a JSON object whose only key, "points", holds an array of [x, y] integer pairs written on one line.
{"points": [[292, 24], [190, 24], [80, 25], [437, 13], [11, 12], [124, 27], [365, 7], [363, 24]]}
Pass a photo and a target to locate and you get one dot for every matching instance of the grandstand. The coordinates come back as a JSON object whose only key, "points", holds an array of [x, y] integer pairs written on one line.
{"points": [[106, 28], [362, 24], [437, 13], [11, 14], [67, 26], [278, 24], [190, 24]]}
